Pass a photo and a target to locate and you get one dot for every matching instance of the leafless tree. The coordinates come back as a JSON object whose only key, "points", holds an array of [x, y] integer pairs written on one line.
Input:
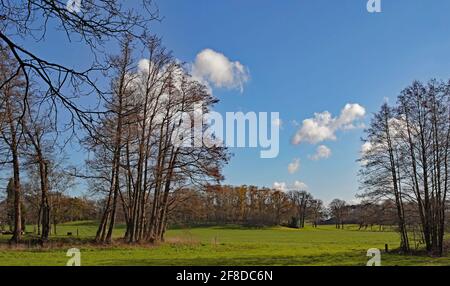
{"points": [[381, 175], [301, 201], [338, 212], [406, 160], [11, 110]]}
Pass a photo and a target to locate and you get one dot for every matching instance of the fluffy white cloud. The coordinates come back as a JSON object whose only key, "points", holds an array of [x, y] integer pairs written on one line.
{"points": [[323, 126], [280, 186], [294, 166], [351, 113], [366, 147], [143, 65], [322, 152], [298, 185], [215, 68]]}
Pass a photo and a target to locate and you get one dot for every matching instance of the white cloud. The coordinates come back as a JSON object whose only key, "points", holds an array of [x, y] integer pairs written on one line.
{"points": [[354, 201], [322, 152], [300, 186], [294, 166], [215, 68], [323, 126], [144, 65], [280, 186], [350, 114], [366, 147], [397, 128]]}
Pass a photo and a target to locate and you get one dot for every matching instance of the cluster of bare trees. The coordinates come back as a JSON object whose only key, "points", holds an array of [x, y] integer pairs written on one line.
{"points": [[40, 98], [406, 160], [26, 143], [63, 208], [146, 151], [338, 209], [128, 129]]}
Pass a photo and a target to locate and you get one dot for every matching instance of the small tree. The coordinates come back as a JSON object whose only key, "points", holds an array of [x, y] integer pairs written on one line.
{"points": [[337, 210]]}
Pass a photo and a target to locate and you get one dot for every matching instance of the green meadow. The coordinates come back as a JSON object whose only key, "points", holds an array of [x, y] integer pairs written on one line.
{"points": [[225, 246]]}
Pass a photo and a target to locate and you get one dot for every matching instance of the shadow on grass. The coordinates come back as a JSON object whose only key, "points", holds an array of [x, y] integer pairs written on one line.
{"points": [[332, 259], [215, 226], [340, 259]]}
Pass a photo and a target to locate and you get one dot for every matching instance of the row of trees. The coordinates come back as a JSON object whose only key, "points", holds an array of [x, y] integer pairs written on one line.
{"points": [[46, 105], [64, 208], [253, 206], [220, 205], [406, 160], [26, 144]]}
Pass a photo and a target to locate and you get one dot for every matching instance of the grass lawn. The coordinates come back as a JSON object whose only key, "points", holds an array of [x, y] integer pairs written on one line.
{"points": [[227, 246]]}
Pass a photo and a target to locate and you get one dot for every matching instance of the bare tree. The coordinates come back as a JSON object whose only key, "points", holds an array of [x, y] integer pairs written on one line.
{"points": [[145, 166], [11, 109], [316, 211], [381, 161], [406, 160], [301, 201], [98, 22], [37, 130], [338, 211]]}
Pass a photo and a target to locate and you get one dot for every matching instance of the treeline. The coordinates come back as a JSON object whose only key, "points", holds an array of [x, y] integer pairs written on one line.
{"points": [[406, 160], [253, 206], [246, 205]]}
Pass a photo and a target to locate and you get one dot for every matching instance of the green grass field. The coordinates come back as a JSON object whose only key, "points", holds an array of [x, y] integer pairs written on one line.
{"points": [[227, 246]]}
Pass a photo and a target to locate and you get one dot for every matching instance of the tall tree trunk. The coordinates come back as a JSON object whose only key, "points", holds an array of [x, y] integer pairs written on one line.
{"points": [[17, 232]]}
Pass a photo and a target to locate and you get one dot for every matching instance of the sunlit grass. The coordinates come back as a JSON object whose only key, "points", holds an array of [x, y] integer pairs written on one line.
{"points": [[227, 246]]}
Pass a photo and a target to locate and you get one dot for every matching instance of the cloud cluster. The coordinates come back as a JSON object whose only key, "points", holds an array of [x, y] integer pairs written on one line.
{"points": [[323, 126], [322, 152], [282, 186], [216, 69], [366, 147], [300, 186], [294, 166], [397, 127]]}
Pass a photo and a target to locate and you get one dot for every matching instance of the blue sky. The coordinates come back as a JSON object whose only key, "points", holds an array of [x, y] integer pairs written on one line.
{"points": [[303, 57], [312, 56]]}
